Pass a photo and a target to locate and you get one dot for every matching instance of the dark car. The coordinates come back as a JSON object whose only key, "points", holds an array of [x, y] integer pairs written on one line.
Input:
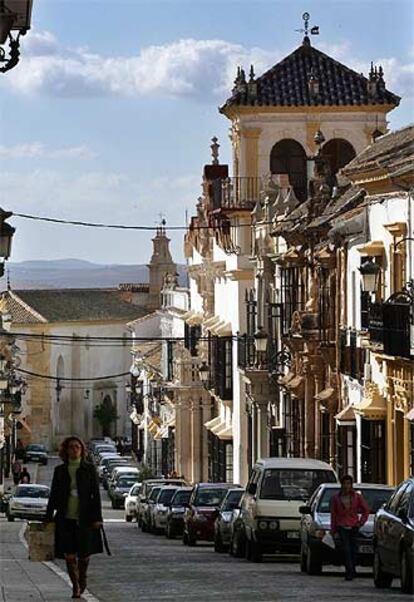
{"points": [[315, 526], [228, 511], [175, 516], [35, 453], [394, 540], [202, 511], [120, 489]]}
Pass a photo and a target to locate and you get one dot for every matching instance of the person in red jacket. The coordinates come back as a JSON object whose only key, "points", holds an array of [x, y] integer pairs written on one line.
{"points": [[349, 511]]}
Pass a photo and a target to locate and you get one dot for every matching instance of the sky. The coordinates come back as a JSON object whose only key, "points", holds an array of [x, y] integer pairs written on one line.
{"points": [[109, 115]]}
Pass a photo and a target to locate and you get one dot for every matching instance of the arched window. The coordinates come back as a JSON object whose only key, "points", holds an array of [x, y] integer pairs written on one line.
{"points": [[339, 152], [289, 157]]}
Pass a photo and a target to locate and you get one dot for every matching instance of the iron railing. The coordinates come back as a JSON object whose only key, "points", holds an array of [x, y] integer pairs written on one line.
{"points": [[235, 192]]}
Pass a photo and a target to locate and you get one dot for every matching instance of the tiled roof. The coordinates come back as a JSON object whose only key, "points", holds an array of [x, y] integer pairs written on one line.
{"points": [[395, 151], [67, 305], [151, 353], [287, 84]]}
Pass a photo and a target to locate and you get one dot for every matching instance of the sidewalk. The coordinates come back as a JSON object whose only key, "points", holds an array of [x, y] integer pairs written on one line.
{"points": [[23, 580]]}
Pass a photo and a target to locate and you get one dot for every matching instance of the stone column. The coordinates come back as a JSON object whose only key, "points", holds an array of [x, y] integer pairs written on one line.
{"points": [[309, 410], [262, 431]]}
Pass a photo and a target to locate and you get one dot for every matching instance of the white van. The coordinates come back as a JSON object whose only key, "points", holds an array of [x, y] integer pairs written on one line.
{"points": [[270, 507]]}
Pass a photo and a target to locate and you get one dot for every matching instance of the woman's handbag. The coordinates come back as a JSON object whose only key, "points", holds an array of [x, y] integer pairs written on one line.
{"points": [[41, 540]]}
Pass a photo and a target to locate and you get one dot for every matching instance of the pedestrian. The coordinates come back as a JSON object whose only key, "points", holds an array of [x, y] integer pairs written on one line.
{"points": [[16, 471], [19, 451], [76, 499], [24, 476], [349, 511]]}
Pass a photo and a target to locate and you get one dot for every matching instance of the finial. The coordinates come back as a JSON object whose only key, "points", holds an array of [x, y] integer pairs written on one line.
{"points": [[242, 76], [252, 74], [215, 150]]}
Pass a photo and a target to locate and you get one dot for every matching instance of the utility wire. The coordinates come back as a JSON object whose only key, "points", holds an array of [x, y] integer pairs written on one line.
{"points": [[67, 379]]}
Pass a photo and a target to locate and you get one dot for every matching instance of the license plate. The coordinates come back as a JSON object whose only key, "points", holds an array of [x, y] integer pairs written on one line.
{"points": [[367, 549], [292, 535]]}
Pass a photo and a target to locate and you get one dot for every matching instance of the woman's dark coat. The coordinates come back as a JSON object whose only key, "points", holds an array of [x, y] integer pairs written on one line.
{"points": [[90, 510]]}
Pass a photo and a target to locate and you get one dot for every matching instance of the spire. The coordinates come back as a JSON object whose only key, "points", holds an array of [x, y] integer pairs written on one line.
{"points": [[161, 264]]}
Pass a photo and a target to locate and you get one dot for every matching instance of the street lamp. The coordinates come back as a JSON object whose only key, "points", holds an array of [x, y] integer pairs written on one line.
{"points": [[370, 272], [260, 340], [6, 234], [204, 373], [15, 15]]}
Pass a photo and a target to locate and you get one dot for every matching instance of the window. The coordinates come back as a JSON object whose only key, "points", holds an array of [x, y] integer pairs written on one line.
{"points": [[373, 451], [288, 157], [339, 152], [233, 500], [294, 484]]}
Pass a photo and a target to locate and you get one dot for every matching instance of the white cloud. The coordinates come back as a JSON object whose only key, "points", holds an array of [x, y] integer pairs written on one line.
{"points": [[200, 68], [37, 150]]}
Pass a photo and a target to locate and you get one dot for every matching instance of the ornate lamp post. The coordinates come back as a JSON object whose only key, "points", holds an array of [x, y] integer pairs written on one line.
{"points": [[15, 16], [204, 374], [370, 272]]}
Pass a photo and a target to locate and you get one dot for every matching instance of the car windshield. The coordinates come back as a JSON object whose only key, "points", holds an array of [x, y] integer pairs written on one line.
{"points": [[154, 493], [292, 484], [181, 497], [35, 492], [210, 497], [232, 500], [135, 490], [375, 498], [127, 482], [166, 496], [32, 447]]}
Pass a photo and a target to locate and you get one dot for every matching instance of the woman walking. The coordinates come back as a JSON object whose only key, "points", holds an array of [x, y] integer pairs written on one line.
{"points": [[349, 511], [76, 499]]}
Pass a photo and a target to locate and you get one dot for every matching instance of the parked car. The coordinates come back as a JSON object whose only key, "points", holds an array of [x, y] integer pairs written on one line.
{"points": [[237, 547], [29, 502], [109, 466], [35, 452], [202, 511], [270, 508], [101, 449], [127, 472], [147, 486], [158, 518], [130, 504], [146, 515], [223, 523], [316, 523], [120, 488], [175, 514], [394, 540], [102, 462]]}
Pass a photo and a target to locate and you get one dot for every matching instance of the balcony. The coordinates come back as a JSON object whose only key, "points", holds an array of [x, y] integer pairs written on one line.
{"points": [[389, 324], [235, 193], [272, 360]]}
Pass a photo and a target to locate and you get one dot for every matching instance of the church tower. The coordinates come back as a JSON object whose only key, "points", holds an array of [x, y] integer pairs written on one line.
{"points": [[160, 265]]}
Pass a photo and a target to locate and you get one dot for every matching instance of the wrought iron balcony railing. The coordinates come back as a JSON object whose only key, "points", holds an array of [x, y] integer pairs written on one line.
{"points": [[235, 192], [273, 360]]}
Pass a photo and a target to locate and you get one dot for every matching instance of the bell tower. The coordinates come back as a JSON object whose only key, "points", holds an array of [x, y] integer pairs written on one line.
{"points": [[161, 264]]}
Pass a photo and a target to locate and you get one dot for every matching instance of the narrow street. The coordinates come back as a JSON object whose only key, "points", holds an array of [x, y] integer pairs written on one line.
{"points": [[152, 568]]}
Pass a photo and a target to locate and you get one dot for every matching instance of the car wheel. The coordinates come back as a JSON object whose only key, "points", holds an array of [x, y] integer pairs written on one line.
{"points": [[169, 532], [407, 582], [382, 580], [10, 518], [237, 546], [128, 518], [302, 559], [218, 544], [185, 538], [313, 562], [191, 540]]}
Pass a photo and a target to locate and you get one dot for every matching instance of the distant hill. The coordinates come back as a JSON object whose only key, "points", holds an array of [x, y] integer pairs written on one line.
{"points": [[75, 273]]}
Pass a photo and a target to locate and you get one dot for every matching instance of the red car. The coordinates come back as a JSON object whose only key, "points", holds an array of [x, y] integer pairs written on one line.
{"points": [[202, 511]]}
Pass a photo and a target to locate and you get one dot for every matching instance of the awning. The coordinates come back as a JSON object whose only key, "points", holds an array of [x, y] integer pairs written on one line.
{"points": [[346, 416], [295, 385], [153, 427], [372, 408], [212, 423], [328, 398], [410, 415], [134, 417], [225, 432], [211, 322], [283, 380], [222, 329], [192, 318], [23, 421]]}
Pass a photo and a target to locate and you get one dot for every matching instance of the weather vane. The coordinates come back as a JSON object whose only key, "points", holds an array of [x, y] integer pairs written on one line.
{"points": [[314, 31]]}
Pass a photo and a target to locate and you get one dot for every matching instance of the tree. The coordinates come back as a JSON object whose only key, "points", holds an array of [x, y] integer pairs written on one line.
{"points": [[106, 415]]}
